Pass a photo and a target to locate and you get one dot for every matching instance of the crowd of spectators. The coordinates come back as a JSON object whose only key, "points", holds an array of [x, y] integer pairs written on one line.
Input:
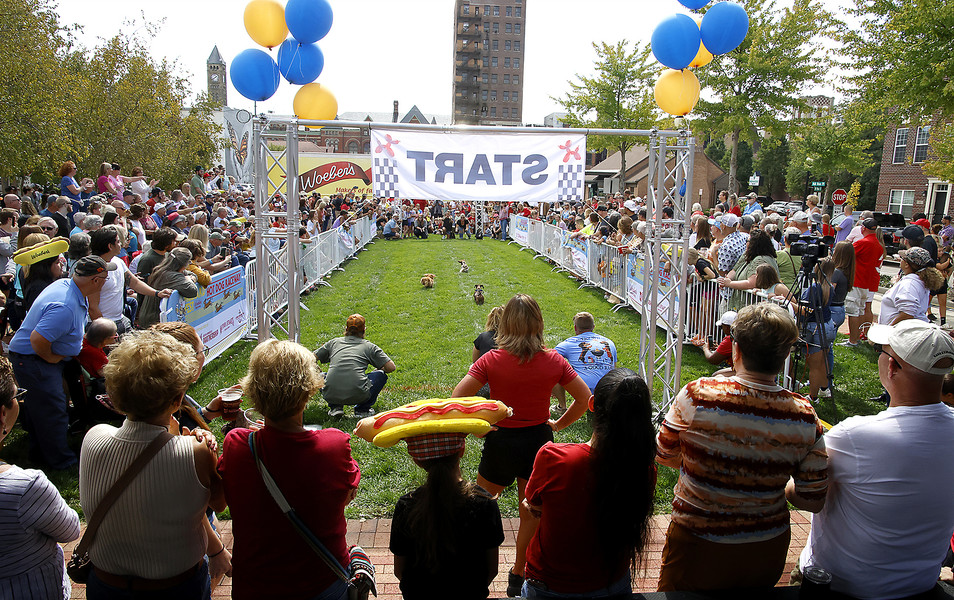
{"points": [[744, 446]]}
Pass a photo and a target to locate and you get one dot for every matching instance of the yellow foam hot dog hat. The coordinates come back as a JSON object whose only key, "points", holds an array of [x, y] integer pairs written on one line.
{"points": [[42, 251]]}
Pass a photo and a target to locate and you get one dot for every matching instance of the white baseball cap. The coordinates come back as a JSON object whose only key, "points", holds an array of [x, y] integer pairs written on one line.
{"points": [[727, 318], [630, 206], [800, 217], [924, 346], [730, 220]]}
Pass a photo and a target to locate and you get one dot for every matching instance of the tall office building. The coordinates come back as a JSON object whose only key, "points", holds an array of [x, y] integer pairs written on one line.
{"points": [[488, 62]]}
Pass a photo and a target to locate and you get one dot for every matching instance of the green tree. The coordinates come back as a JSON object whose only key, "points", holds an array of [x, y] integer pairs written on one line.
{"points": [[940, 162], [131, 110], [618, 96], [756, 85], [772, 165], [829, 147], [715, 150], [33, 116]]}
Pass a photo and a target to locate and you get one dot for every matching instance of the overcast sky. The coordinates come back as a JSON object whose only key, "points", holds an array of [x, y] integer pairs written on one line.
{"points": [[379, 51]]}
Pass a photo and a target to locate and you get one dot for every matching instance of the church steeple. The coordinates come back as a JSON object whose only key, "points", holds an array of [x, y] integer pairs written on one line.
{"points": [[216, 71]]}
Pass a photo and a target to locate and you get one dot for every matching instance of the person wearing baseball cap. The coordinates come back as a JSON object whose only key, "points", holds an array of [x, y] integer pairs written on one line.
{"points": [[753, 204], [910, 297], [52, 332], [347, 382], [885, 526], [723, 352]]}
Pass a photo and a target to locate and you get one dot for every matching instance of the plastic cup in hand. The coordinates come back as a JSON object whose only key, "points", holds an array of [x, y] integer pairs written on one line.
{"points": [[256, 420], [231, 402]]}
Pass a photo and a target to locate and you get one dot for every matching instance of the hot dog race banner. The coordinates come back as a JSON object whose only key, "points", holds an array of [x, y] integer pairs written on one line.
{"points": [[578, 250], [219, 313], [328, 174], [489, 166], [636, 279]]}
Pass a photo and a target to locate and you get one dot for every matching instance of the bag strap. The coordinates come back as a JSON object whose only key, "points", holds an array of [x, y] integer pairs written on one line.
{"points": [[116, 491], [296, 521]]}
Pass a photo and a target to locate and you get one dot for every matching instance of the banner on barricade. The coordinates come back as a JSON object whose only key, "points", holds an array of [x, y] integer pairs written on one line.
{"points": [[489, 166], [520, 231], [635, 273], [219, 313], [578, 249], [346, 241]]}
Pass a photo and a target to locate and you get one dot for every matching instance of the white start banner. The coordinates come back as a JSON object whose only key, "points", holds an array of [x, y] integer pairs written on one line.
{"points": [[529, 167]]}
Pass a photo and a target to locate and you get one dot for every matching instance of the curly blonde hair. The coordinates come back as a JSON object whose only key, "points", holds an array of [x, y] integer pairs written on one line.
{"points": [[148, 373], [282, 377]]}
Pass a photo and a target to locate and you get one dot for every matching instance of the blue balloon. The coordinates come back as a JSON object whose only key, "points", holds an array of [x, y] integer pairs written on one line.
{"points": [[308, 20], [682, 189], [255, 75], [300, 63], [675, 41], [724, 27], [694, 4]]}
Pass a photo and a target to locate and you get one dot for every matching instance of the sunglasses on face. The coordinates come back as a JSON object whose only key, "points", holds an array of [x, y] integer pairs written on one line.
{"points": [[880, 350]]}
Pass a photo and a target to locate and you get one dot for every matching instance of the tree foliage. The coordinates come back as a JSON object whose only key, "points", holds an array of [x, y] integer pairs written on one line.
{"points": [[617, 96], [757, 85], [902, 56], [940, 162], [111, 103], [772, 165]]}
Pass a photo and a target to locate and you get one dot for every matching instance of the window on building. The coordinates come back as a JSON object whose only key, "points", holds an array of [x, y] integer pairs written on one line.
{"points": [[508, 28], [505, 112], [496, 27], [486, 61], [496, 11], [493, 61], [367, 147], [516, 80], [516, 63], [506, 79], [901, 201], [516, 46], [507, 62], [353, 147], [506, 96], [921, 144], [900, 144], [486, 10], [493, 95], [493, 111], [507, 45], [493, 78], [332, 143], [466, 26], [516, 28], [465, 9], [519, 11], [515, 96], [483, 95], [486, 27], [495, 45], [484, 77], [463, 44], [514, 113]]}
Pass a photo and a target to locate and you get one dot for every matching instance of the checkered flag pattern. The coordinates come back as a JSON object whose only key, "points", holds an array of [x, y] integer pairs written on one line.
{"points": [[385, 179], [570, 187]]}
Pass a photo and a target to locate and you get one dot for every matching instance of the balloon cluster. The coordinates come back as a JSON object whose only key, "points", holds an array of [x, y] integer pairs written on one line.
{"points": [[255, 74], [681, 42]]}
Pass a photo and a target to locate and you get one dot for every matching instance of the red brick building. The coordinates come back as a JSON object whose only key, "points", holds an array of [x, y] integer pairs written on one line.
{"points": [[903, 187]]}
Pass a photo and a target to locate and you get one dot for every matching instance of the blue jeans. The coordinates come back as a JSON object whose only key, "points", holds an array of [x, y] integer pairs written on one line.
{"points": [[44, 414], [503, 228], [198, 587], [616, 589], [378, 379], [837, 319], [814, 337]]}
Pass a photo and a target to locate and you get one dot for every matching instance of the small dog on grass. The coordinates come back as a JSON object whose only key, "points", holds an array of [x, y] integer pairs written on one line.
{"points": [[478, 294], [427, 280], [463, 267]]}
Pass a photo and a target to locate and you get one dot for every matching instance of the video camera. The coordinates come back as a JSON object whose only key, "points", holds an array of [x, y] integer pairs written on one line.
{"points": [[809, 247]]}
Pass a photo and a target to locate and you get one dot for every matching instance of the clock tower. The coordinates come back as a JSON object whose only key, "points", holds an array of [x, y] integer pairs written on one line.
{"points": [[215, 68]]}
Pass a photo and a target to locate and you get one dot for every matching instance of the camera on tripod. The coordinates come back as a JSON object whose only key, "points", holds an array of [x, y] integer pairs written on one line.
{"points": [[809, 247]]}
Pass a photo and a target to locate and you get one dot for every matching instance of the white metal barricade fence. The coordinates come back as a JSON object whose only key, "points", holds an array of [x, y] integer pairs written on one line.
{"points": [[319, 257]]}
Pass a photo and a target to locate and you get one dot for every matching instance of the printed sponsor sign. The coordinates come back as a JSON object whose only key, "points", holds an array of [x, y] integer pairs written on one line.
{"points": [[219, 313], [519, 230], [328, 174]]}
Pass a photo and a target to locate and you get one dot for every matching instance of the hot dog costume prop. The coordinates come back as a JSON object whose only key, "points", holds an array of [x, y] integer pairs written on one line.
{"points": [[433, 427]]}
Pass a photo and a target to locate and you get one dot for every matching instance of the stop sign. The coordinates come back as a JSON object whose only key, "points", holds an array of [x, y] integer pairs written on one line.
{"points": [[838, 197]]}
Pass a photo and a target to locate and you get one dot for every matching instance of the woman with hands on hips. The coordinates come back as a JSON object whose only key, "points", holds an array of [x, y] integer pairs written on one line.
{"points": [[521, 374]]}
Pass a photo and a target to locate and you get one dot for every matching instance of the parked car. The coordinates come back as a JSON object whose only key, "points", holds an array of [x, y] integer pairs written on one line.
{"points": [[891, 225]]}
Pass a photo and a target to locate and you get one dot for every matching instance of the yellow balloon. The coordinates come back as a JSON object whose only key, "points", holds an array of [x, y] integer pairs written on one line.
{"points": [[677, 92], [703, 57], [265, 22], [314, 101]]}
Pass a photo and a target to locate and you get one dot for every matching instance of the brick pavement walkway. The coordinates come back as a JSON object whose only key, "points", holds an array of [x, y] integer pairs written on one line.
{"points": [[373, 535]]}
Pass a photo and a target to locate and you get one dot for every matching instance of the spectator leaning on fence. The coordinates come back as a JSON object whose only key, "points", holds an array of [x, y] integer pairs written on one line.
{"points": [[737, 443]]}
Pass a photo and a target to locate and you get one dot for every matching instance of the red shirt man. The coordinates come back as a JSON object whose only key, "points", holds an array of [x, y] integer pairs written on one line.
{"points": [[868, 253]]}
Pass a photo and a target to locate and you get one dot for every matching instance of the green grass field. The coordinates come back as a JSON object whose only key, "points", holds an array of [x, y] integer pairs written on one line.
{"points": [[429, 334]]}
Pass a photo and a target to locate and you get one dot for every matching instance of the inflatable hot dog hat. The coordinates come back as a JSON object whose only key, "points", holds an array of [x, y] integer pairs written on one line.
{"points": [[434, 416]]}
